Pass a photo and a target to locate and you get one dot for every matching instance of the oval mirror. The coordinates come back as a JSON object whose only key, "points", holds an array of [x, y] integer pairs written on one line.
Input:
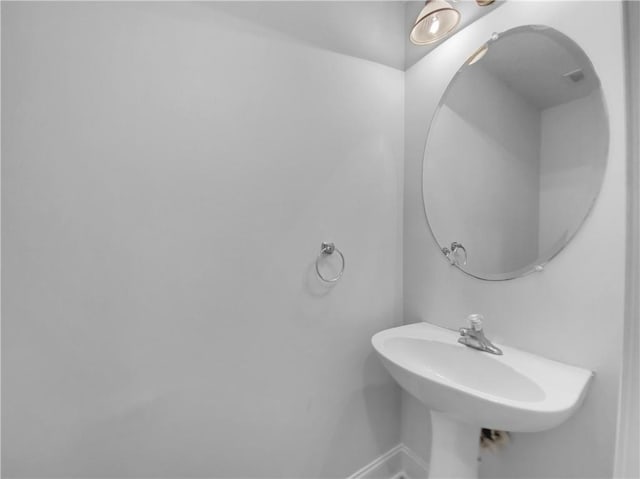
{"points": [[516, 153]]}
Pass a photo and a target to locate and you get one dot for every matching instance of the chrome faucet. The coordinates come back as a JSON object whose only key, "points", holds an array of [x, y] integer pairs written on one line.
{"points": [[474, 336]]}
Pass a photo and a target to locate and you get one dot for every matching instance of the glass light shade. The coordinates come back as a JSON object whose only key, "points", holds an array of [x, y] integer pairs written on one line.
{"points": [[484, 3], [434, 22]]}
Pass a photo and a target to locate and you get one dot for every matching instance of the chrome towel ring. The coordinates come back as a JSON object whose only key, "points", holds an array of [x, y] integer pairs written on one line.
{"points": [[452, 256], [327, 249]]}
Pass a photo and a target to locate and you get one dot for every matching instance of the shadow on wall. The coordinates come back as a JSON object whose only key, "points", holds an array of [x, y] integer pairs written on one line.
{"points": [[372, 31]]}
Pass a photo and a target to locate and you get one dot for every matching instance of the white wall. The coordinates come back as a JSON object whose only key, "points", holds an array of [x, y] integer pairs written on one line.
{"points": [[168, 174], [372, 30], [573, 311]]}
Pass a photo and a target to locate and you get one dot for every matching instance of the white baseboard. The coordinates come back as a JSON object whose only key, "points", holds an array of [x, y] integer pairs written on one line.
{"points": [[399, 462], [413, 466], [387, 466]]}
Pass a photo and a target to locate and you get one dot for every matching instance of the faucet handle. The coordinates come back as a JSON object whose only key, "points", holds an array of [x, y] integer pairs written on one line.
{"points": [[476, 321]]}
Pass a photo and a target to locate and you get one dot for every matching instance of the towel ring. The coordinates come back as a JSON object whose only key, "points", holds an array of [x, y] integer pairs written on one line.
{"points": [[327, 249], [451, 253]]}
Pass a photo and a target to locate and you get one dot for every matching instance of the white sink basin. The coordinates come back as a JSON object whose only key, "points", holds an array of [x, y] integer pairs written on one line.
{"points": [[517, 391], [467, 389]]}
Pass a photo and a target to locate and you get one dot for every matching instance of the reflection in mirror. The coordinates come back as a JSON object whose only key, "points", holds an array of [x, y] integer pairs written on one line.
{"points": [[516, 152]]}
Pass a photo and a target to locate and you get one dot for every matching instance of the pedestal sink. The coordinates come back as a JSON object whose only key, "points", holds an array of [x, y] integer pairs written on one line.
{"points": [[467, 390]]}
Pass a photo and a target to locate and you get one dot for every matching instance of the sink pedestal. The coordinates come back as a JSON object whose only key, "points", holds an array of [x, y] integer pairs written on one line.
{"points": [[454, 448]]}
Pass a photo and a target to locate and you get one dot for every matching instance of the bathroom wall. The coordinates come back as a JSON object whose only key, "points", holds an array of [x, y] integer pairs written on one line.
{"points": [[573, 311], [169, 171]]}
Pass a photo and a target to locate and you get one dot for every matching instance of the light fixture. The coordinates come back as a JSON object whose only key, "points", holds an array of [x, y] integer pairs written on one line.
{"points": [[484, 3], [434, 22]]}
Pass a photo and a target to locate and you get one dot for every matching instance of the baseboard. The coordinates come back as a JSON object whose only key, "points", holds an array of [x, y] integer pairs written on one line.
{"points": [[413, 466], [387, 466], [399, 462]]}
